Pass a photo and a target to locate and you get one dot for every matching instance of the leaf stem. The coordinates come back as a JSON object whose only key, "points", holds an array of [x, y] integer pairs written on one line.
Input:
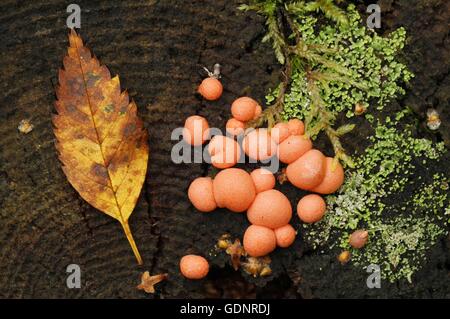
{"points": [[129, 235], [120, 218]]}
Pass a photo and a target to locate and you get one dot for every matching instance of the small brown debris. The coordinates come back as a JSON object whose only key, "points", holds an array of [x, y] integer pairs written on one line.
{"points": [[148, 282], [216, 71], [282, 177], [254, 266], [266, 271], [258, 266], [224, 242], [25, 126], [360, 108], [236, 251], [433, 119]]}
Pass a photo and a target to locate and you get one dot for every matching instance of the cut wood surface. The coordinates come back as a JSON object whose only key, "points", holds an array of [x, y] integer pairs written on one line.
{"points": [[158, 48]]}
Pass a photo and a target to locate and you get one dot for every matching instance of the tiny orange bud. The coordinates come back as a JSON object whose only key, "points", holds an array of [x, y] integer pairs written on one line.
{"points": [[235, 127], [244, 108], [344, 257], [258, 111], [296, 127], [210, 88], [358, 238], [194, 267]]}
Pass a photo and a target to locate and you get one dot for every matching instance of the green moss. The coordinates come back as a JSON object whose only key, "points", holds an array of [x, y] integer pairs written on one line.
{"points": [[377, 196], [374, 76], [329, 68]]}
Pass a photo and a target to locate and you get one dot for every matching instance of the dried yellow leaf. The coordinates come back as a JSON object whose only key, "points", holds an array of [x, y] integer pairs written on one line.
{"points": [[100, 139]]}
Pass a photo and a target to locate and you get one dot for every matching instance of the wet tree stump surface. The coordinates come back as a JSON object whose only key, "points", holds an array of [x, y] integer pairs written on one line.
{"points": [[158, 48]]}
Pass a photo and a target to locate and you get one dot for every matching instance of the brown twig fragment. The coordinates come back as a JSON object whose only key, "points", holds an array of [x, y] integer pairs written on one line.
{"points": [[235, 250], [258, 266], [148, 282]]}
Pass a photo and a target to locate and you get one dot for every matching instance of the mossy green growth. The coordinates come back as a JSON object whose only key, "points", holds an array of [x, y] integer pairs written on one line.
{"points": [[393, 194], [328, 68], [374, 74]]}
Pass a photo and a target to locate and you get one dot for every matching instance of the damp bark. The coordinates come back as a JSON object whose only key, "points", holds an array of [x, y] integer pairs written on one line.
{"points": [[159, 48]]}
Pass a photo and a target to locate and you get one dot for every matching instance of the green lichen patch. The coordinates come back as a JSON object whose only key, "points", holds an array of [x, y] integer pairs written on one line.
{"points": [[329, 68], [374, 74], [393, 194], [333, 66]]}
